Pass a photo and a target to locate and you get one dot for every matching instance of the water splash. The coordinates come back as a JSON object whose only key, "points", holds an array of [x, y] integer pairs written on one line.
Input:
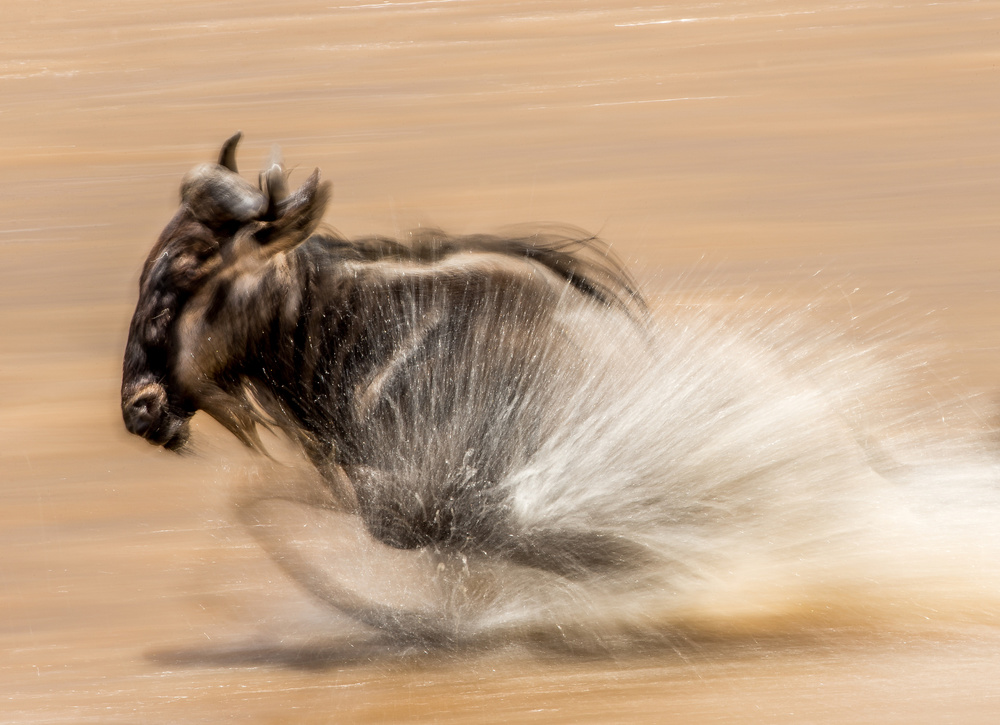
{"points": [[737, 471]]}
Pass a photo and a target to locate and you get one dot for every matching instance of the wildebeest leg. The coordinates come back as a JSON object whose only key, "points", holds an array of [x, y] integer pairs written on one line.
{"points": [[578, 554], [397, 515], [333, 557]]}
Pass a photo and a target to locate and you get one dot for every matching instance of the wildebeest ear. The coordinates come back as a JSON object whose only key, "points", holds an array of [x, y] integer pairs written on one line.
{"points": [[296, 216]]}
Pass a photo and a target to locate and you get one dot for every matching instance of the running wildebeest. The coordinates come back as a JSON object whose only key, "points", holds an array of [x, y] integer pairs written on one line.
{"points": [[418, 371], [508, 443]]}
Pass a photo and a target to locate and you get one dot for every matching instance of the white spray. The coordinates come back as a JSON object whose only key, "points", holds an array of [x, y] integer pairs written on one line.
{"points": [[771, 476]]}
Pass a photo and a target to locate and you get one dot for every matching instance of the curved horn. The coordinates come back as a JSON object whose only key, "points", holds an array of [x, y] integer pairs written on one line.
{"points": [[274, 184], [227, 157], [216, 195]]}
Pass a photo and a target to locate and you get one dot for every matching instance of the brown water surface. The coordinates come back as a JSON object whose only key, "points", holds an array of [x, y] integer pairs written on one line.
{"points": [[847, 151]]}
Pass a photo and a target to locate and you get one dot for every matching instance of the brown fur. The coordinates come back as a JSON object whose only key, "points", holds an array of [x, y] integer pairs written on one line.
{"points": [[418, 368]]}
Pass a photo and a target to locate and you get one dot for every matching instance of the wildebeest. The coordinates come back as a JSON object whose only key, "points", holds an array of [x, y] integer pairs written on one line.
{"points": [[506, 423], [419, 370]]}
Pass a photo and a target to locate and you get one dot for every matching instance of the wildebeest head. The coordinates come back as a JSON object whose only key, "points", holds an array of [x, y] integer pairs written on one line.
{"points": [[224, 229]]}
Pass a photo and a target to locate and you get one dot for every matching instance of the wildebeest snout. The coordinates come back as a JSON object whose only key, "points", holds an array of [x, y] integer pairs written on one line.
{"points": [[147, 413]]}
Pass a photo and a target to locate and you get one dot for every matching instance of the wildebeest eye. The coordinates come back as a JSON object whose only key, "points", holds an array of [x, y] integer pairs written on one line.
{"points": [[193, 263], [187, 267]]}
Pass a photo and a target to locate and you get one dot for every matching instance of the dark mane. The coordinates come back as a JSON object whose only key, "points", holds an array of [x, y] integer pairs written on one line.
{"points": [[583, 260]]}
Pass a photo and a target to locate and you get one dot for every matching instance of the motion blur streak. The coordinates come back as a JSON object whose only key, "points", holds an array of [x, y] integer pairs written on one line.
{"points": [[835, 159]]}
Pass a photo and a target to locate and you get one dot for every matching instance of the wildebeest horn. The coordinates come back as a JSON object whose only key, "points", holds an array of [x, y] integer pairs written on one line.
{"points": [[273, 184], [215, 194], [227, 157]]}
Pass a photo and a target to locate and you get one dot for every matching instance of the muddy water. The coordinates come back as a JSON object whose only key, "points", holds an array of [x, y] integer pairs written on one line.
{"points": [[840, 151]]}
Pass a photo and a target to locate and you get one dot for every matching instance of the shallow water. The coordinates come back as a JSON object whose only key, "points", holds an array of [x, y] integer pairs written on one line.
{"points": [[837, 154]]}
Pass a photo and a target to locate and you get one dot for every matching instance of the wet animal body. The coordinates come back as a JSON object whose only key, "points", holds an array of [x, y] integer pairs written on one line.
{"points": [[419, 370], [517, 447]]}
